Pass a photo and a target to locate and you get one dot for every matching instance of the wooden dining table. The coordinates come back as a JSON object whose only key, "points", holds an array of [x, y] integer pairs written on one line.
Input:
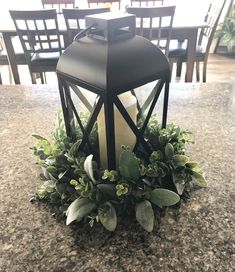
{"points": [[184, 28]]}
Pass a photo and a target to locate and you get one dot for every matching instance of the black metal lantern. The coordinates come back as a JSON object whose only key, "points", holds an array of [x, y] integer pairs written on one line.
{"points": [[109, 61]]}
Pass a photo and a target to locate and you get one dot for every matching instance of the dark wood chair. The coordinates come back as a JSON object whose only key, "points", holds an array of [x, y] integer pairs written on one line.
{"points": [[75, 19], [4, 60], [58, 4], [105, 3], [147, 3], [40, 39], [178, 54], [155, 24]]}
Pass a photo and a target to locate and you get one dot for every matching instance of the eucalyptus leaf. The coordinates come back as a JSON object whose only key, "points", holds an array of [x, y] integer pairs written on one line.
{"points": [[169, 151], [145, 215], [107, 216], [89, 168], [78, 209], [199, 179], [163, 197], [128, 165], [180, 160]]}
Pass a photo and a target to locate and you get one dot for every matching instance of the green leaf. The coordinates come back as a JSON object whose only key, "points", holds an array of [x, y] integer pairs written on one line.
{"points": [[61, 175], [78, 209], [163, 197], [61, 188], [144, 215], [45, 173], [128, 165], [51, 169], [108, 190], [107, 216], [74, 148], [46, 189], [169, 151], [192, 164], [179, 187], [88, 167], [180, 160], [199, 179], [38, 137]]}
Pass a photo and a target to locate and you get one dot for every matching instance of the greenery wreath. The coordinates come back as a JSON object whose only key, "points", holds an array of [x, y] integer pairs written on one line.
{"points": [[76, 188]]}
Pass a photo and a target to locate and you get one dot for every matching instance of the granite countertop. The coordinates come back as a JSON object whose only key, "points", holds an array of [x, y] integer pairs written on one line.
{"points": [[199, 238]]}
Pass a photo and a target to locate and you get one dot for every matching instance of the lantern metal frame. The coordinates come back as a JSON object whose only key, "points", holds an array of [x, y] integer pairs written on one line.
{"points": [[110, 99]]}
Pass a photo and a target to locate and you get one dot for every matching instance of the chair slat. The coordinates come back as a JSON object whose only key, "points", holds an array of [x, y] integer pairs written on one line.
{"points": [[39, 33], [147, 3], [75, 19], [151, 23], [58, 4]]}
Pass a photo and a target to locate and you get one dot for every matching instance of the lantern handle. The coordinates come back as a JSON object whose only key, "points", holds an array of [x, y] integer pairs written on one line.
{"points": [[81, 33]]}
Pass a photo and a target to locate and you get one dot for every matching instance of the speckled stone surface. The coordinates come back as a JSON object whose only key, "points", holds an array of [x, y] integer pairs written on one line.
{"points": [[200, 238]]}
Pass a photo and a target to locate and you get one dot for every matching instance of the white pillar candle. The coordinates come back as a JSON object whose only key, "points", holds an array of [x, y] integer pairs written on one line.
{"points": [[123, 133]]}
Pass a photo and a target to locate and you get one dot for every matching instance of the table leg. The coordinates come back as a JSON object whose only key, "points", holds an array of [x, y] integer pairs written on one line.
{"points": [[11, 56], [191, 54]]}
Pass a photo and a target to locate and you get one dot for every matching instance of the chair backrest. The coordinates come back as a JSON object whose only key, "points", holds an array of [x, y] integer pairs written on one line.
{"points": [[38, 31], [58, 4], [146, 3], [105, 3], [212, 19], [75, 19], [154, 23], [1, 43]]}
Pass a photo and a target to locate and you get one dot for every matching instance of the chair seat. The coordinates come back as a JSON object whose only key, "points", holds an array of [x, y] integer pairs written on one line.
{"points": [[179, 50], [45, 59]]}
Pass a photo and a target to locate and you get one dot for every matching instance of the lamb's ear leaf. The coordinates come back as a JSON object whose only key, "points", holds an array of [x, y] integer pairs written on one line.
{"points": [[144, 215], [199, 179], [169, 151], [180, 160], [78, 209], [180, 187], [108, 217], [108, 190], [163, 197], [129, 165], [88, 167]]}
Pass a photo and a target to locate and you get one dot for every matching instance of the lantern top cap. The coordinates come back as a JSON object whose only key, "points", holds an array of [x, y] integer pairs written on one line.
{"points": [[111, 25]]}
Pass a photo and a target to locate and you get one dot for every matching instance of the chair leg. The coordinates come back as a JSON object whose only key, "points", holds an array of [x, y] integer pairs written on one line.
{"points": [[198, 70], [10, 75], [42, 78], [179, 68], [45, 78], [0, 79], [33, 78], [204, 70]]}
